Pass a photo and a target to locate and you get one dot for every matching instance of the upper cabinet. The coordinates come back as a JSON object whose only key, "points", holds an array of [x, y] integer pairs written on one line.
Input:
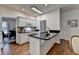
{"points": [[22, 22], [34, 23]]}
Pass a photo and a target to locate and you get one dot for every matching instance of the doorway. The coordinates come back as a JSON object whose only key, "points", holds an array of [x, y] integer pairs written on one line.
{"points": [[9, 29], [8, 32]]}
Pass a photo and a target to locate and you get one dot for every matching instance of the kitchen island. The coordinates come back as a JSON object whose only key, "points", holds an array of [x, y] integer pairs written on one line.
{"points": [[40, 43]]}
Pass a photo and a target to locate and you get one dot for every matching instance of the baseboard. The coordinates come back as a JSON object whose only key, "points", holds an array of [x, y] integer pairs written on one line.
{"points": [[64, 39], [58, 42], [22, 43]]}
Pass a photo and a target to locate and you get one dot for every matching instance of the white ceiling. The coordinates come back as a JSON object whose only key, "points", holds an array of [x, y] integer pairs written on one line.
{"points": [[42, 7]]}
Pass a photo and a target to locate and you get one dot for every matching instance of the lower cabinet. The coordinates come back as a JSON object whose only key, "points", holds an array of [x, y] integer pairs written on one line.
{"points": [[22, 38], [35, 46]]}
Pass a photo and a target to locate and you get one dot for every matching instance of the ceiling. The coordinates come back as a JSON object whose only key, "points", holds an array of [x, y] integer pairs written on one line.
{"points": [[42, 7]]}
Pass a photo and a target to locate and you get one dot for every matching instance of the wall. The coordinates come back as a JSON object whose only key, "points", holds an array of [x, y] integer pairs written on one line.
{"points": [[66, 31], [52, 19]]}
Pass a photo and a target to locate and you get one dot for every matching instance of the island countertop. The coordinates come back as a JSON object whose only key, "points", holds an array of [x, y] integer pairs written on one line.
{"points": [[43, 36]]}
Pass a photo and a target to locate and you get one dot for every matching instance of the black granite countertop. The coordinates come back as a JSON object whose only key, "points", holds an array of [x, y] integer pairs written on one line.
{"points": [[43, 36]]}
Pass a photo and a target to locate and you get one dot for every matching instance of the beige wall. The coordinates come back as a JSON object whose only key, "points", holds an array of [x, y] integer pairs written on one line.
{"points": [[52, 19], [66, 31]]}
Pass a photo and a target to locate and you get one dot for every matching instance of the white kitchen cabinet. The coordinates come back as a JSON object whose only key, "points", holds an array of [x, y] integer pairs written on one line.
{"points": [[26, 37], [30, 21], [21, 22], [25, 21], [22, 38], [18, 38], [34, 46], [34, 23]]}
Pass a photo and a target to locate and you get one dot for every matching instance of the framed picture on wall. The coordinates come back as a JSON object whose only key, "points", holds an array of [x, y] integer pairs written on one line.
{"points": [[73, 23]]}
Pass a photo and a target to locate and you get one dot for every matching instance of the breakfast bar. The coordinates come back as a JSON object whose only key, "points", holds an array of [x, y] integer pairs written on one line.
{"points": [[38, 40]]}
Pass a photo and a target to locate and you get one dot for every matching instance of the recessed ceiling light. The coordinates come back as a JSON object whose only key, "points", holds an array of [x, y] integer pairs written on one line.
{"points": [[36, 9], [23, 9]]}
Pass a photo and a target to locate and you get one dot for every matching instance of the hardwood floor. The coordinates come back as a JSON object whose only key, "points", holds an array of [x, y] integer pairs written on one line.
{"points": [[14, 49], [61, 49], [57, 49]]}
